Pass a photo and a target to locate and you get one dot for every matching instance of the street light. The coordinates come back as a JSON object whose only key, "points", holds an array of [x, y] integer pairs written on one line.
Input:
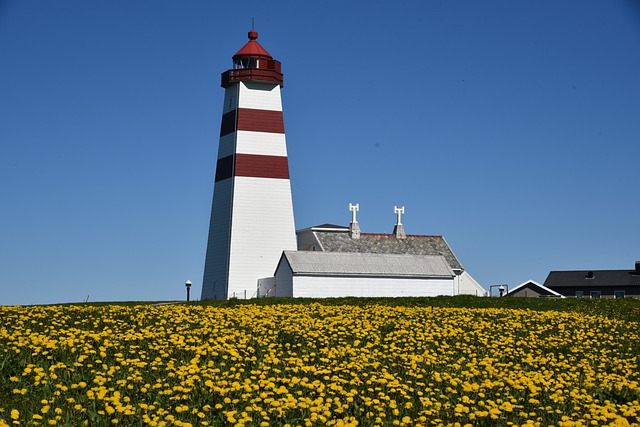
{"points": [[501, 289], [188, 286]]}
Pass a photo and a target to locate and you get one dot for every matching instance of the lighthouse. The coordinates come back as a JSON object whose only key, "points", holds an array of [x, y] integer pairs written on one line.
{"points": [[252, 211]]}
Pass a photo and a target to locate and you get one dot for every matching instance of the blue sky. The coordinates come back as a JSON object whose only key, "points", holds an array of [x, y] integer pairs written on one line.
{"points": [[510, 127]]}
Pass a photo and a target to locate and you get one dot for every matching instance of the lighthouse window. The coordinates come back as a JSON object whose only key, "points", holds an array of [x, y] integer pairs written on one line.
{"points": [[246, 63]]}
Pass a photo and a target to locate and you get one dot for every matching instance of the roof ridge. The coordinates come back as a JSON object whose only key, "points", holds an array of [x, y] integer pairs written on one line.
{"points": [[408, 235], [587, 270]]}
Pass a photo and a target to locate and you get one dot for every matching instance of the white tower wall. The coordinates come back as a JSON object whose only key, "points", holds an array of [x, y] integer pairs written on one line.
{"points": [[217, 258], [262, 227], [252, 213]]}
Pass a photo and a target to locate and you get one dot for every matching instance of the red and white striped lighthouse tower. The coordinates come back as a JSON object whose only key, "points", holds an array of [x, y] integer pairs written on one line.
{"points": [[252, 212]]}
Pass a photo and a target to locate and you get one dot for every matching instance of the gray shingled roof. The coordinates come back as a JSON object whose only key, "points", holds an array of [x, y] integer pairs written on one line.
{"points": [[388, 244], [367, 264]]}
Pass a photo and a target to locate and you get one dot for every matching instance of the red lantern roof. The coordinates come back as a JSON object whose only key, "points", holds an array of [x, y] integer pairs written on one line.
{"points": [[252, 49], [253, 63]]}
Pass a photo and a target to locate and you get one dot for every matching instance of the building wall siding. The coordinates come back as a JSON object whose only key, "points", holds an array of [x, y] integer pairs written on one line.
{"points": [[262, 226], [260, 96], [217, 257], [307, 242], [245, 142], [227, 145], [328, 286], [469, 286], [284, 280], [251, 165], [247, 119], [526, 292], [606, 291], [230, 98]]}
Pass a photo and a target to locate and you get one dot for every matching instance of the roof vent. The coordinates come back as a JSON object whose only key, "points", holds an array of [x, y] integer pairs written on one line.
{"points": [[354, 228], [398, 229], [589, 275]]}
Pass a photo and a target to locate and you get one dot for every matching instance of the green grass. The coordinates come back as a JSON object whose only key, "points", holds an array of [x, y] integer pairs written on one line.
{"points": [[622, 309], [129, 363]]}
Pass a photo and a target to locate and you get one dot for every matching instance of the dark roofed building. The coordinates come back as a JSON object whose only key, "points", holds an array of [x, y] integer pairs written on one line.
{"points": [[533, 289], [596, 283]]}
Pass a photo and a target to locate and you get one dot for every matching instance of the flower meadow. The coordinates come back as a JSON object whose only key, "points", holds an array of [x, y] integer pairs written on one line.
{"points": [[316, 364]]}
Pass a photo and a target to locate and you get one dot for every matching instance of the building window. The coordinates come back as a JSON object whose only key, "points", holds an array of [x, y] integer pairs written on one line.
{"points": [[595, 294], [579, 294], [618, 294]]}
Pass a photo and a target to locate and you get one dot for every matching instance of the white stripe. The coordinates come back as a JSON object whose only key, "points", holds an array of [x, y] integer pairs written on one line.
{"points": [[230, 99], [260, 96], [261, 143], [227, 145]]}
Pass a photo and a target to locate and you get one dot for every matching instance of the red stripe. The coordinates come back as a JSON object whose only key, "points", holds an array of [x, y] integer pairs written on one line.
{"points": [[261, 166], [252, 165], [228, 123], [260, 120], [250, 119], [224, 168]]}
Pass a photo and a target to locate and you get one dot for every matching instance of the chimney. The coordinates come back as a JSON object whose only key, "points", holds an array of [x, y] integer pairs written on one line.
{"points": [[637, 268], [398, 229], [354, 228]]}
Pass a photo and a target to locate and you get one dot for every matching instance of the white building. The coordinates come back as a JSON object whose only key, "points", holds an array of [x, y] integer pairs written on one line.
{"points": [[336, 261], [343, 274]]}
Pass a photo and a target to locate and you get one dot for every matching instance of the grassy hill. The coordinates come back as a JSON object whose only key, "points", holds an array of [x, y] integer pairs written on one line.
{"points": [[446, 361]]}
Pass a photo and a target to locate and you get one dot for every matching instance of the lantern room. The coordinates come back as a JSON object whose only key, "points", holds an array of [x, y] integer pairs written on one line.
{"points": [[253, 63]]}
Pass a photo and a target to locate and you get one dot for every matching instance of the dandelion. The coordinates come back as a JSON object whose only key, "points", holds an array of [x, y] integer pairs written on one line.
{"points": [[323, 364]]}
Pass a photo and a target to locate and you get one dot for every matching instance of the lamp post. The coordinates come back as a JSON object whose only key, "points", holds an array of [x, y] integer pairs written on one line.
{"points": [[187, 284], [501, 289]]}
